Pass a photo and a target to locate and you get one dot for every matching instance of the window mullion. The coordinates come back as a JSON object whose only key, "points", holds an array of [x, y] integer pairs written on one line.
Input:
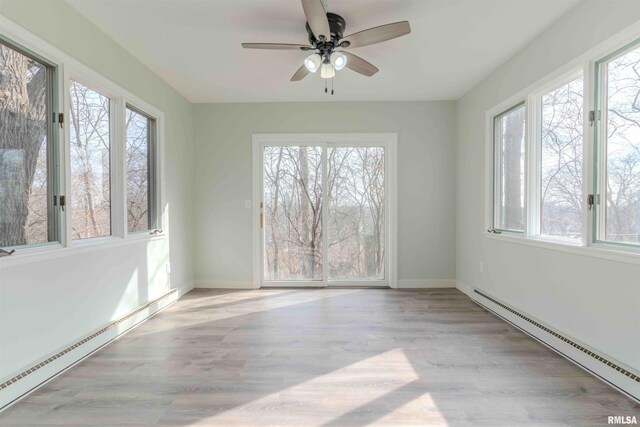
{"points": [[525, 187], [118, 177], [601, 190], [589, 172], [601, 157], [325, 216], [532, 171], [65, 156], [53, 177]]}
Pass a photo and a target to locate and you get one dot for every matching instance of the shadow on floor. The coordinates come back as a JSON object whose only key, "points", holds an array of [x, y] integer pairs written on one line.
{"points": [[323, 357]]}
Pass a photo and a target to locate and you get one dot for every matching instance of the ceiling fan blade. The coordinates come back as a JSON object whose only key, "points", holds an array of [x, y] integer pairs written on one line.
{"points": [[317, 18], [300, 74], [276, 46], [378, 34], [359, 65]]}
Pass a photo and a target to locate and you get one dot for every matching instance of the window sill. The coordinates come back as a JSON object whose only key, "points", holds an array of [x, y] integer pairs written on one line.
{"points": [[629, 256], [53, 251]]}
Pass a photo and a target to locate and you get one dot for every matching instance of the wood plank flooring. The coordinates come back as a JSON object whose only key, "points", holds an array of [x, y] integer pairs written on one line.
{"points": [[323, 357]]}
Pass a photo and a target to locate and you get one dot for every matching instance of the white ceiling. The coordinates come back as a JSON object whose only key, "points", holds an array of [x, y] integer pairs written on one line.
{"points": [[194, 45]]}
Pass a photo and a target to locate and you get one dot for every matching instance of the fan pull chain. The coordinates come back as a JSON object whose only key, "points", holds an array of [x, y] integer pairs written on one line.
{"points": [[332, 85], [325, 85]]}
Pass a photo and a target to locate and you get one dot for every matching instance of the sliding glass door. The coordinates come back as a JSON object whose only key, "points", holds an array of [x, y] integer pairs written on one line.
{"points": [[323, 216]]}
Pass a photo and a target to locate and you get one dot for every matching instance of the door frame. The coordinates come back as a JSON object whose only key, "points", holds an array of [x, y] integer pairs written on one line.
{"points": [[387, 140]]}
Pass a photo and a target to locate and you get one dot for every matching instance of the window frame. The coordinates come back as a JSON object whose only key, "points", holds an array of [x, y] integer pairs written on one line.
{"points": [[497, 164], [68, 67], [87, 82], [325, 140], [53, 107], [534, 150], [600, 175], [155, 225], [589, 245]]}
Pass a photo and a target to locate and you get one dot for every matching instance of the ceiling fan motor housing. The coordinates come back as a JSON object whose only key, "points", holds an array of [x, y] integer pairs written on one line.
{"points": [[337, 26]]}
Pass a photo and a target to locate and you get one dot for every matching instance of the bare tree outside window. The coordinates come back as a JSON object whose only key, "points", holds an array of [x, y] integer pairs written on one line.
{"points": [[24, 183], [293, 213], [139, 171], [509, 148], [356, 213], [561, 157], [622, 199], [90, 163]]}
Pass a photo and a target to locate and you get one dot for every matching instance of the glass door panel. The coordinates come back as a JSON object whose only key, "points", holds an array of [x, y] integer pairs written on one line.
{"points": [[292, 197], [356, 213]]}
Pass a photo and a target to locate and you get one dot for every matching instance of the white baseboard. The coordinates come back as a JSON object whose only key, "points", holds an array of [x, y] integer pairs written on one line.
{"points": [[26, 381], [463, 287], [224, 284], [425, 283], [591, 360], [185, 288], [402, 284]]}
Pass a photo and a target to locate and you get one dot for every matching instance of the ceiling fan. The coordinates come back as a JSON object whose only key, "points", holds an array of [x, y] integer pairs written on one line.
{"points": [[326, 35]]}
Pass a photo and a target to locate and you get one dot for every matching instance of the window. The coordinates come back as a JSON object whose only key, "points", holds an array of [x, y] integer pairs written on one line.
{"points": [[560, 161], [141, 171], [568, 199], [356, 213], [90, 162], [509, 169], [27, 149], [82, 163], [618, 212], [293, 213]]}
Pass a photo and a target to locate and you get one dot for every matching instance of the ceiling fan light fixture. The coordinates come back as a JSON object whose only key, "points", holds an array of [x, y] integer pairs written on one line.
{"points": [[312, 62], [339, 60], [325, 31], [327, 71]]}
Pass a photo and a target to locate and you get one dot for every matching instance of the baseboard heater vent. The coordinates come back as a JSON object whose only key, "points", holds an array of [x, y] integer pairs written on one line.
{"points": [[572, 343], [83, 341]]}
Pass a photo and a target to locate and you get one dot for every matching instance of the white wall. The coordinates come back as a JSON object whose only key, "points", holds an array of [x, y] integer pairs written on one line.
{"points": [[593, 300], [426, 179], [50, 304]]}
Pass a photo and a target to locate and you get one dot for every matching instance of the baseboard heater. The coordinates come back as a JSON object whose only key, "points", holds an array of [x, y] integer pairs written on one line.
{"points": [[634, 377], [167, 298]]}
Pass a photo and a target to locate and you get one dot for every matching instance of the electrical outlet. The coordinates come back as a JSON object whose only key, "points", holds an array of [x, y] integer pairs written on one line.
{"points": [[168, 267], [481, 266], [247, 203]]}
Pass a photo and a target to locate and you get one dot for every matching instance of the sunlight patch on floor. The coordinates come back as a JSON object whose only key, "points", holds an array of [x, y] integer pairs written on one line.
{"points": [[354, 389]]}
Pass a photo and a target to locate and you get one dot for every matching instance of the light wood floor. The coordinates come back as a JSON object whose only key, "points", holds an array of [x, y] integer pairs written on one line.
{"points": [[327, 357]]}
